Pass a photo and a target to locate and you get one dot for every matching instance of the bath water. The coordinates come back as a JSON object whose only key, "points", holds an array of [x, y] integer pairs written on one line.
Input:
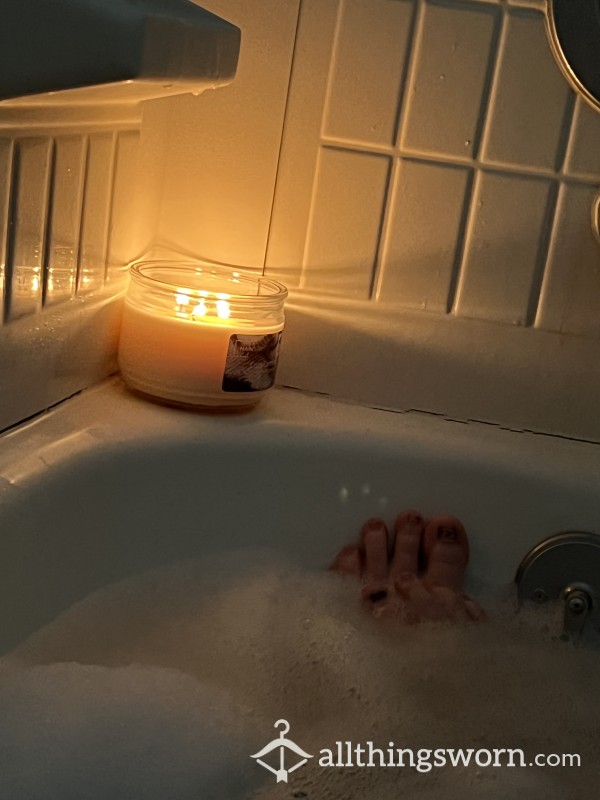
{"points": [[162, 686]]}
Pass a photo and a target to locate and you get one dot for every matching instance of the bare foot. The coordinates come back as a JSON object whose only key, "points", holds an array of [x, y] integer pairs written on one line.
{"points": [[394, 585]]}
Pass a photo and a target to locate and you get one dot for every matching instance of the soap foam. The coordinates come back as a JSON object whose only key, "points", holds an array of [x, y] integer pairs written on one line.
{"points": [[164, 685], [96, 733]]}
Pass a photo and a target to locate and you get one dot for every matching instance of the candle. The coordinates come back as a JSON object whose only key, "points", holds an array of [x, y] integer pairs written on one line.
{"points": [[200, 335]]}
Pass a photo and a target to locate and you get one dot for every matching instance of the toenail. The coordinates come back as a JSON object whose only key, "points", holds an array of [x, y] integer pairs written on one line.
{"points": [[414, 518], [374, 525], [377, 597], [447, 533]]}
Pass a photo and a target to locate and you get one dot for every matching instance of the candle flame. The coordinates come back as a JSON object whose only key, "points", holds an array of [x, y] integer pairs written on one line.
{"points": [[200, 310], [223, 310], [184, 301]]}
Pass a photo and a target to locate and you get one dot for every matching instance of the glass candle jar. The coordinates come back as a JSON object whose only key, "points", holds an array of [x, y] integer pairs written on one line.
{"points": [[200, 335]]}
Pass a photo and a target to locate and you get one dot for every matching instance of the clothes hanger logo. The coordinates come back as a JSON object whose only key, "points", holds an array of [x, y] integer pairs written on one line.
{"points": [[282, 744]]}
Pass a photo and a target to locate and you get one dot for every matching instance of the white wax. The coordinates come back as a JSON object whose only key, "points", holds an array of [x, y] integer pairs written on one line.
{"points": [[182, 359]]}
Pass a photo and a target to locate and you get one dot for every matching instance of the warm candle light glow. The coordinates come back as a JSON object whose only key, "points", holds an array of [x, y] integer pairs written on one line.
{"points": [[200, 310], [196, 346], [223, 309]]}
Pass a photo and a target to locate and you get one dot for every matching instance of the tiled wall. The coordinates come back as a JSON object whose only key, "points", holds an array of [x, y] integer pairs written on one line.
{"points": [[428, 206], [83, 191], [437, 177], [219, 153], [454, 169], [59, 227], [67, 183]]}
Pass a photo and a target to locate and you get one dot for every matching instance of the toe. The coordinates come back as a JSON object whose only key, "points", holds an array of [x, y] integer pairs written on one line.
{"points": [[446, 550], [374, 539], [347, 561], [452, 602], [474, 610], [420, 603], [407, 543], [375, 593]]}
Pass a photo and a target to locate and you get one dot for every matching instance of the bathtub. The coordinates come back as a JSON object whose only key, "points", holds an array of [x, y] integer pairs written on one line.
{"points": [[106, 485]]}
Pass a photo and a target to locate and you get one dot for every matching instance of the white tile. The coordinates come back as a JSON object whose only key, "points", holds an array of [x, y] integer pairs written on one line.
{"points": [[34, 160], [447, 87], [420, 256], [346, 221], [122, 241], [530, 102], [367, 70], [583, 158], [301, 140], [67, 197], [463, 369], [96, 211], [571, 289], [222, 155], [504, 248]]}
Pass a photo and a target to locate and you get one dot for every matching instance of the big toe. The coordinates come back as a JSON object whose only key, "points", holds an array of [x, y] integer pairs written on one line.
{"points": [[446, 550]]}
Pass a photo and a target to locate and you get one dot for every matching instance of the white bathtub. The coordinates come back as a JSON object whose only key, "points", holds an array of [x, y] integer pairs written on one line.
{"points": [[107, 485]]}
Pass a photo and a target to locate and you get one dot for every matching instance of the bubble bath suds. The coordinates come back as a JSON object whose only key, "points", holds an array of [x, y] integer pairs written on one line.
{"points": [[161, 687]]}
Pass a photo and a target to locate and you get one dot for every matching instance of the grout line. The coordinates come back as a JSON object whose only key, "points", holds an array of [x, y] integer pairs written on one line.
{"points": [[415, 35], [551, 221], [414, 39], [310, 221], [463, 239], [490, 80], [545, 242], [85, 174], [111, 201], [11, 233], [384, 227], [315, 183], [46, 255], [7, 162], [284, 125], [460, 273], [449, 160], [38, 414], [333, 143], [415, 45], [566, 138], [537, 313], [332, 61], [437, 415], [493, 79], [390, 202]]}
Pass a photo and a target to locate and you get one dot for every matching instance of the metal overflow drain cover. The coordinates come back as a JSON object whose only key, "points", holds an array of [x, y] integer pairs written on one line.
{"points": [[564, 567]]}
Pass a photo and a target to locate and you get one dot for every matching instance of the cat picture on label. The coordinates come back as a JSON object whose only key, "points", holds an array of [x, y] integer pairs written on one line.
{"points": [[251, 362]]}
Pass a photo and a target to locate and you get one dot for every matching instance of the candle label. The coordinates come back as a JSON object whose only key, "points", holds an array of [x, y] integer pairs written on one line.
{"points": [[251, 362]]}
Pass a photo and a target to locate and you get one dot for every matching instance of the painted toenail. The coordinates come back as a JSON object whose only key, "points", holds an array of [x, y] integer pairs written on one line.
{"points": [[377, 597], [449, 534]]}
